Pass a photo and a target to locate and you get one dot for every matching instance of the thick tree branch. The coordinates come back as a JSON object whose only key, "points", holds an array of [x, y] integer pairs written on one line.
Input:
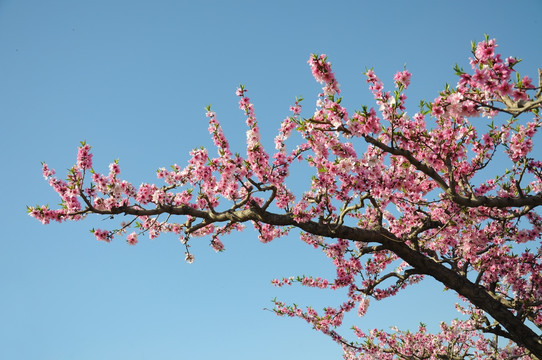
{"points": [[476, 294]]}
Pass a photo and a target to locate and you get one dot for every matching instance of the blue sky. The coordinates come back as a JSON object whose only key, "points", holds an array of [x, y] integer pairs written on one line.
{"points": [[132, 78]]}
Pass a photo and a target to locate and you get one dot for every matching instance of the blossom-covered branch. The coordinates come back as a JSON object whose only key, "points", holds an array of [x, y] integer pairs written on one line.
{"points": [[392, 199]]}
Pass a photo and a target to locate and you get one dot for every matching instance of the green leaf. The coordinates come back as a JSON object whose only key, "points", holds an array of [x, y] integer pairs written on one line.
{"points": [[458, 71]]}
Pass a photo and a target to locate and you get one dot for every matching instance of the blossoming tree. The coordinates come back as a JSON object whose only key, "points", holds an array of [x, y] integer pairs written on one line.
{"points": [[392, 199]]}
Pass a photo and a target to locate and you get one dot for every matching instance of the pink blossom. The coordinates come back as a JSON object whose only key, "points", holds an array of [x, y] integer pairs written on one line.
{"points": [[321, 70], [402, 78], [47, 173], [114, 169], [485, 50], [103, 235], [217, 245], [132, 238], [189, 258], [84, 157]]}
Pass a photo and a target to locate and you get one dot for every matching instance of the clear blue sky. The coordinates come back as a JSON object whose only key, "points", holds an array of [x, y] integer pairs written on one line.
{"points": [[132, 78]]}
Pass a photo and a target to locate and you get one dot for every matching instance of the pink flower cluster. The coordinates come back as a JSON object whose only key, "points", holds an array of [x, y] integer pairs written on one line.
{"points": [[402, 78], [321, 70], [84, 157]]}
